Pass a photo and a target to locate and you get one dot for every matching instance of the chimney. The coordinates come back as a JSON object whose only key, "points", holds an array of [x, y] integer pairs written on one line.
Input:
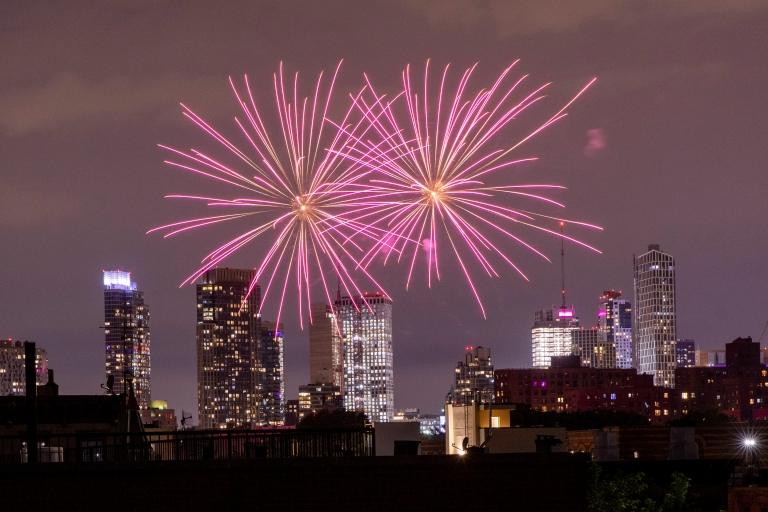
{"points": [[50, 388]]}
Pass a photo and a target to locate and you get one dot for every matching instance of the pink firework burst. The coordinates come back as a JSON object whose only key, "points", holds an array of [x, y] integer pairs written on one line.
{"points": [[432, 158], [293, 190]]}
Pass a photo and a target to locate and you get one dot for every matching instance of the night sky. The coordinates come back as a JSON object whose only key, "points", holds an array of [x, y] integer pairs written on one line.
{"points": [[669, 147]]}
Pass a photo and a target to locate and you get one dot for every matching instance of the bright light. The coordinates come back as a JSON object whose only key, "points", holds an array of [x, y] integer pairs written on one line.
{"points": [[750, 442], [117, 279]]}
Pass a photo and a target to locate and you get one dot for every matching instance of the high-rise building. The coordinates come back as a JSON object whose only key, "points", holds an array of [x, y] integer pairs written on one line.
{"points": [[551, 331], [551, 335], [366, 327], [473, 377], [593, 348], [614, 318], [227, 337], [685, 353], [270, 387], [326, 363], [12, 374], [655, 325], [126, 336]]}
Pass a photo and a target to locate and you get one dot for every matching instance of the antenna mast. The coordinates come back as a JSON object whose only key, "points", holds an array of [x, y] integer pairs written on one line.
{"points": [[562, 264]]}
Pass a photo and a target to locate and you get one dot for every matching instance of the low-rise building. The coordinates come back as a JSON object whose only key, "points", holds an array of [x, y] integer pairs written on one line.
{"points": [[314, 398], [569, 387], [158, 416]]}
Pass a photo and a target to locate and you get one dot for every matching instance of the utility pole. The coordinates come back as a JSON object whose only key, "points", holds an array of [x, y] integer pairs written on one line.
{"points": [[30, 370]]}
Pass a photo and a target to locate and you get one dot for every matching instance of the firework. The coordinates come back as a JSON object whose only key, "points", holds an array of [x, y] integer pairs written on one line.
{"points": [[293, 190], [433, 162]]}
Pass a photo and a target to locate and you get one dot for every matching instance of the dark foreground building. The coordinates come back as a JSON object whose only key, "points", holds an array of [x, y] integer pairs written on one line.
{"points": [[447, 483]]}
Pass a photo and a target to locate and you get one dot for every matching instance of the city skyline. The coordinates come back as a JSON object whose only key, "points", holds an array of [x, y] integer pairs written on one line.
{"points": [[82, 124], [273, 407]]}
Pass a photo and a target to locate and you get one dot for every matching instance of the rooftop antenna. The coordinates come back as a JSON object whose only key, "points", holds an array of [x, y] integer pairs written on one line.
{"points": [[562, 264], [338, 289]]}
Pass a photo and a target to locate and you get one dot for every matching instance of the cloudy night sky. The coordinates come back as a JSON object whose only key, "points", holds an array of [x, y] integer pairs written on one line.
{"points": [[668, 147]]}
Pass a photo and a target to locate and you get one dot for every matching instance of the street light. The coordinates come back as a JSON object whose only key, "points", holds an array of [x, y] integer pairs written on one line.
{"points": [[751, 447]]}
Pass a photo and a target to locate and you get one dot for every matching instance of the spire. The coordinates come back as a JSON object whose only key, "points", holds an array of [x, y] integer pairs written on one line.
{"points": [[338, 289], [562, 264]]}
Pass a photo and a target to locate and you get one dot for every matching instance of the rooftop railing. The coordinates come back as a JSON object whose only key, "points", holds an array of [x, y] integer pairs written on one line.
{"points": [[188, 445]]}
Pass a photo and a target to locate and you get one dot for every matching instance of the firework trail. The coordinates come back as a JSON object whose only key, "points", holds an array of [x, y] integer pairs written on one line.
{"points": [[294, 190], [431, 156]]}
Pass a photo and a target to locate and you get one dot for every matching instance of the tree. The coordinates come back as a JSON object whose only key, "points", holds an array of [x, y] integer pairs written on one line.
{"points": [[631, 493]]}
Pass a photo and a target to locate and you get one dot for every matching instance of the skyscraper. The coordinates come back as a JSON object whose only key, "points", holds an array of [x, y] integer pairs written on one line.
{"points": [[655, 325], [126, 336], [12, 372], [551, 335], [227, 337], [551, 331], [614, 318], [326, 362], [473, 382], [270, 385], [366, 326]]}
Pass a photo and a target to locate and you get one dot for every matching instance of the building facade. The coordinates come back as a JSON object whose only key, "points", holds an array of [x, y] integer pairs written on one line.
{"points": [[366, 327], [473, 377], [710, 357], [159, 417], [655, 322], [126, 337], [738, 388], [227, 336], [12, 374], [614, 318], [685, 353], [571, 388], [270, 386], [314, 398], [593, 348], [551, 335], [326, 361]]}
